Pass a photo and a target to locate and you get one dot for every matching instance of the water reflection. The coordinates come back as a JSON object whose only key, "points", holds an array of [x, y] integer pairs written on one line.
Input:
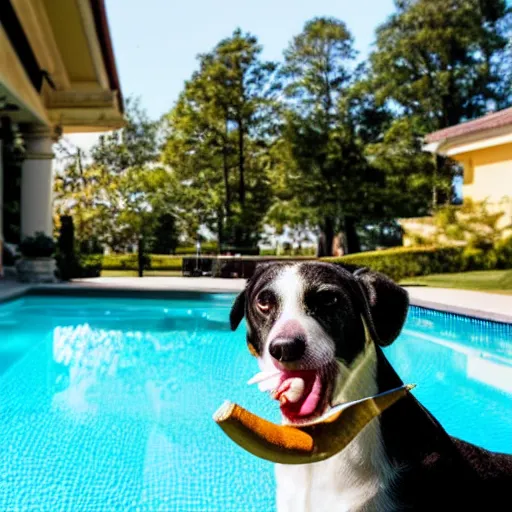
{"points": [[446, 357], [463, 368], [98, 365]]}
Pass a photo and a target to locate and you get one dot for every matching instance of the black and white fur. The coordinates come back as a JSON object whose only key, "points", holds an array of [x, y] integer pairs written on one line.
{"points": [[403, 460]]}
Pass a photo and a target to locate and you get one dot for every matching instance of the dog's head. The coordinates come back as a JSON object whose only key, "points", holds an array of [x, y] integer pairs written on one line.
{"points": [[305, 320]]}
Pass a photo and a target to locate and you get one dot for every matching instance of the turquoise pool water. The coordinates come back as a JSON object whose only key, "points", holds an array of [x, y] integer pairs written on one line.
{"points": [[106, 404]]}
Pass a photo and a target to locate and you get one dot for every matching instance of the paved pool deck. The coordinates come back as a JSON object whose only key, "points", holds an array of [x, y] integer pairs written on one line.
{"points": [[489, 306], [483, 305]]}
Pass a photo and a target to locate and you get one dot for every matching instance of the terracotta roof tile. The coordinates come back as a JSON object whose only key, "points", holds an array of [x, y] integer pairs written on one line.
{"points": [[494, 120]]}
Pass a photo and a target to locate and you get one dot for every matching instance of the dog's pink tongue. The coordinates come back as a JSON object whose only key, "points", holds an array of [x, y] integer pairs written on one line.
{"points": [[310, 404], [307, 404]]}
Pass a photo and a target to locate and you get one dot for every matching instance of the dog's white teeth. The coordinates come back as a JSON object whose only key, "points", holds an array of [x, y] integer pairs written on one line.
{"points": [[267, 381], [295, 391], [262, 376], [269, 385]]}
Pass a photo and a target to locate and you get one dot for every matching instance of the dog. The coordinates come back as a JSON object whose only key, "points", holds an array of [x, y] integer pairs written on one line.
{"points": [[309, 320]]}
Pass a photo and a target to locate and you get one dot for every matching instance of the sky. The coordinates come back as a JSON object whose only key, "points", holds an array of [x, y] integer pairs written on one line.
{"points": [[156, 41]]}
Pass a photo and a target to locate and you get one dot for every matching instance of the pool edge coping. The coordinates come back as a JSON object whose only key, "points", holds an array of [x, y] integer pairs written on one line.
{"points": [[462, 311], [95, 290]]}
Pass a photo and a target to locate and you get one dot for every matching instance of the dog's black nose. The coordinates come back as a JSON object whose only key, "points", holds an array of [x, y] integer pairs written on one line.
{"points": [[287, 350]]}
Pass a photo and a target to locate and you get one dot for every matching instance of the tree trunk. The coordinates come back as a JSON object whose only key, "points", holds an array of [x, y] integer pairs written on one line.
{"points": [[351, 236], [326, 238], [140, 255], [220, 228], [241, 161], [226, 170]]}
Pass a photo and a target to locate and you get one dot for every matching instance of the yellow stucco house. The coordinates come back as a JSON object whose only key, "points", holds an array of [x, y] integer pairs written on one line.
{"points": [[483, 147], [57, 75]]}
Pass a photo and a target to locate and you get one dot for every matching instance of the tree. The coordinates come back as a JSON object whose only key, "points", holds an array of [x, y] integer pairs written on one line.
{"points": [[127, 159], [441, 60], [165, 234], [437, 63], [80, 191], [196, 149], [293, 219], [326, 167], [118, 194], [216, 133], [135, 145]]}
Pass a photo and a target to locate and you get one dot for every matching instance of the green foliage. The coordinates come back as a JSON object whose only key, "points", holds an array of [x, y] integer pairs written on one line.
{"points": [[165, 234], [480, 257], [402, 262], [442, 61], [321, 146], [90, 265], [407, 172], [475, 224], [321, 154], [436, 63], [503, 250], [472, 222], [206, 248], [216, 134], [288, 250], [164, 262], [474, 258], [317, 68], [84, 266], [37, 246], [130, 262], [133, 146], [122, 193]]}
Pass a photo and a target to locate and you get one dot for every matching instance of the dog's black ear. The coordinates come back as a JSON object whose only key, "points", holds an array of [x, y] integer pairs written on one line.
{"points": [[237, 311], [387, 305]]}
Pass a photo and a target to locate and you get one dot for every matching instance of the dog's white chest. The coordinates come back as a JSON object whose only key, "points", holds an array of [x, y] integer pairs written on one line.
{"points": [[312, 488], [319, 488], [351, 481]]}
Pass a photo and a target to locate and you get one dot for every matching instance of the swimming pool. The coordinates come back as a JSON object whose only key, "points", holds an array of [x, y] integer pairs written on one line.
{"points": [[106, 404]]}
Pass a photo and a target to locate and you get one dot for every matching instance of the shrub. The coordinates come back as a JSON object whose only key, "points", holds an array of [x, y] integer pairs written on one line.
{"points": [[503, 250], [130, 262], [206, 248], [120, 262], [70, 267], [401, 262], [90, 265], [303, 251], [475, 258], [165, 262], [38, 246]]}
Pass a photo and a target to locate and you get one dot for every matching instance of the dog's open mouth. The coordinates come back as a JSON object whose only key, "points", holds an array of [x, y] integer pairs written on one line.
{"points": [[302, 393]]}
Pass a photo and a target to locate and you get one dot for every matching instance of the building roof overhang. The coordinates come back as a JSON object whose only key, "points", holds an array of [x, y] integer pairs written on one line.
{"points": [[57, 66]]}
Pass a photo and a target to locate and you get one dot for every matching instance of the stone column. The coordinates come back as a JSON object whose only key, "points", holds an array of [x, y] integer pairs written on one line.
{"points": [[36, 184], [1, 207]]}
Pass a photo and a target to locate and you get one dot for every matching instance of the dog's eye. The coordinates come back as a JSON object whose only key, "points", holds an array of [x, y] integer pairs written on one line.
{"points": [[326, 298], [265, 301]]}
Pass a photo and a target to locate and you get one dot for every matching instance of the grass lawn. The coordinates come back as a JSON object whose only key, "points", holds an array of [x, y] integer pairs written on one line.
{"points": [[497, 281], [134, 273]]}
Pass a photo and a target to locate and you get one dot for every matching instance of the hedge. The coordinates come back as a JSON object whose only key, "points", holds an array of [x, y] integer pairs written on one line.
{"points": [[206, 248], [401, 262], [130, 262]]}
